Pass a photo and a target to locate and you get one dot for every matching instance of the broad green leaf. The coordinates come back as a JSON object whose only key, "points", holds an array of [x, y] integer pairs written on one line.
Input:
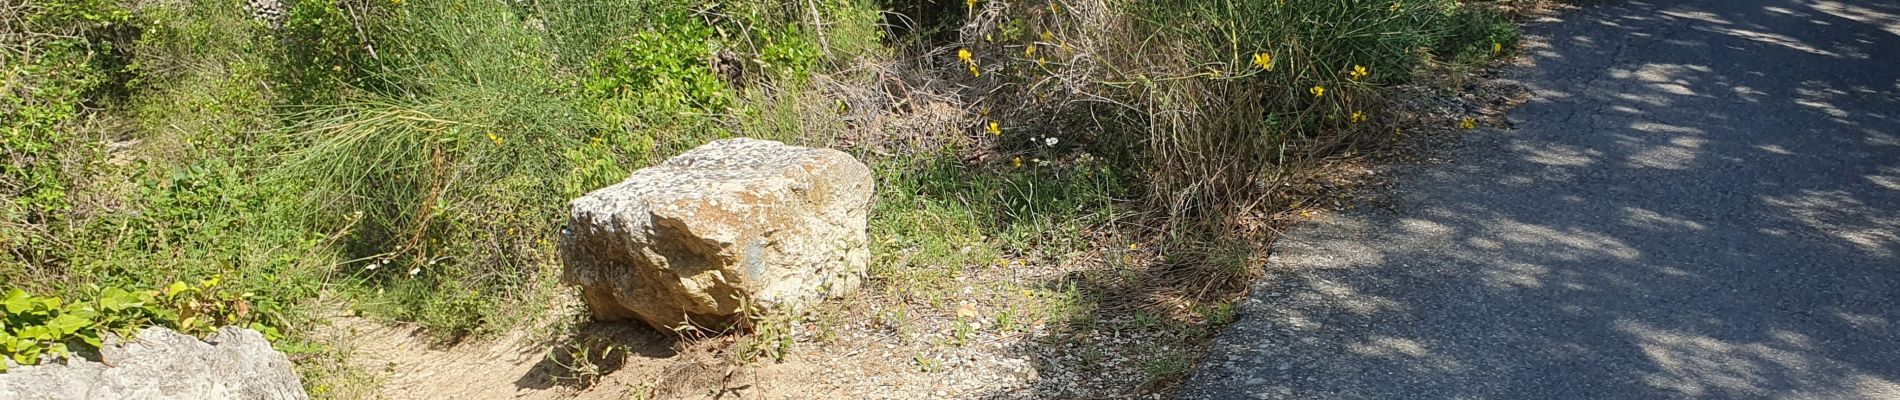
{"points": [[38, 332], [116, 299], [270, 334], [82, 311], [17, 301], [174, 289], [28, 355], [66, 324]]}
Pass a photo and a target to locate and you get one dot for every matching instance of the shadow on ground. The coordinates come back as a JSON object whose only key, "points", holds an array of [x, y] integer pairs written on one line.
{"points": [[1702, 200], [589, 351]]}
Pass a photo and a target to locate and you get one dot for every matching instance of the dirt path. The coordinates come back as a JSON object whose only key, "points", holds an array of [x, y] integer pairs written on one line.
{"points": [[650, 365]]}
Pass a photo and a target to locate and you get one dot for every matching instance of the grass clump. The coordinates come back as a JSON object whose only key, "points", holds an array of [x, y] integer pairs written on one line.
{"points": [[1205, 100], [1205, 107]]}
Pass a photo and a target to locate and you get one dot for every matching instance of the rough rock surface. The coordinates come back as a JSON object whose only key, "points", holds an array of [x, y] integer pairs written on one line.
{"points": [[694, 241], [233, 363]]}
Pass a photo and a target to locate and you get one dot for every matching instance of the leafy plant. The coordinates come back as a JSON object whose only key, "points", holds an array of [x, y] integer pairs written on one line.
{"points": [[771, 336], [33, 327], [583, 362], [663, 70]]}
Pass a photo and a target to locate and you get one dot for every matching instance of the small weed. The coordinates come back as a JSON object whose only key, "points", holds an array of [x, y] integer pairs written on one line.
{"points": [[770, 337], [897, 319], [1165, 367], [582, 363], [827, 322], [960, 333], [641, 391], [1146, 320], [1006, 320], [1217, 315], [926, 363]]}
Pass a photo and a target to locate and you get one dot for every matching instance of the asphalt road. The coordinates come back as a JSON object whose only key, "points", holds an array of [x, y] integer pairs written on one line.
{"points": [[1702, 201]]}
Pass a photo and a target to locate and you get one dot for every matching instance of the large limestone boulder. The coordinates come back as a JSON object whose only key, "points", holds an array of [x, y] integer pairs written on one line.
{"points": [[233, 363], [732, 226]]}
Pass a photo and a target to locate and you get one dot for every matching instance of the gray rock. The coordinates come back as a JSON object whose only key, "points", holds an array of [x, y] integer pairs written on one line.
{"points": [[233, 363], [732, 226]]}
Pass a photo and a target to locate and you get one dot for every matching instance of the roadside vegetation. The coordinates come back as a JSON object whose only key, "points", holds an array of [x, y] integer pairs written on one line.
{"points": [[1090, 163]]}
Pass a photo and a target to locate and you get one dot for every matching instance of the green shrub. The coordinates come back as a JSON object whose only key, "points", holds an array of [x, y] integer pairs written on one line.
{"points": [[1209, 101], [64, 57], [1477, 35], [32, 327], [663, 71]]}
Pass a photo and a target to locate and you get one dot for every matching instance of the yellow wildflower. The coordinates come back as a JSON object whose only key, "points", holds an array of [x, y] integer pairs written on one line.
{"points": [[994, 129], [970, 3], [974, 72], [1048, 37], [1029, 51], [1359, 72], [1394, 7], [1133, 246], [963, 55], [395, 2], [1054, 7], [1317, 90], [494, 138], [1018, 162], [1468, 123], [1497, 47], [1358, 117], [1263, 60]]}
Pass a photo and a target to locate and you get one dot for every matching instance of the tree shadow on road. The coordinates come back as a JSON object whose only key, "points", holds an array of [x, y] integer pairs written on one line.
{"points": [[1703, 200]]}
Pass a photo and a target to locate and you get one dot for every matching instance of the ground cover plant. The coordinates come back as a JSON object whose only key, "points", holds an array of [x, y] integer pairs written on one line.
{"points": [[410, 160]]}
